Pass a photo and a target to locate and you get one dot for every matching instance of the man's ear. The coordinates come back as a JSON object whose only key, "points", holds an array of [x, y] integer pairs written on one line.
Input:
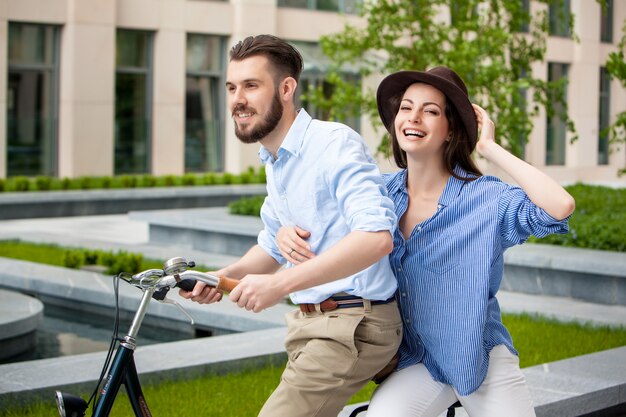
{"points": [[288, 88]]}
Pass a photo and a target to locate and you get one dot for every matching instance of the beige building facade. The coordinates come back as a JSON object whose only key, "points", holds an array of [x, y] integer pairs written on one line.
{"points": [[103, 87]]}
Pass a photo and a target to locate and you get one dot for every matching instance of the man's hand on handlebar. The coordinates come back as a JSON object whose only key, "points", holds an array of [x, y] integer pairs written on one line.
{"points": [[202, 293]]}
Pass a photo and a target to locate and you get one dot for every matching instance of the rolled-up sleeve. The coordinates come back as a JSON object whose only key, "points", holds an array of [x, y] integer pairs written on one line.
{"points": [[520, 218], [355, 180]]}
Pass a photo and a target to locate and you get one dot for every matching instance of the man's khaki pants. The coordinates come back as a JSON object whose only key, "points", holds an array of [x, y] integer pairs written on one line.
{"points": [[331, 356]]}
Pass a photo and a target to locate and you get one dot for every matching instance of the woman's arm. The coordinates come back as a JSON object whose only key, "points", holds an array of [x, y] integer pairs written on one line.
{"points": [[540, 188]]}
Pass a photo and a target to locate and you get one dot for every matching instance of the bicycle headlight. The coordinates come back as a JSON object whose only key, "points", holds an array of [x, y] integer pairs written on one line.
{"points": [[70, 405]]}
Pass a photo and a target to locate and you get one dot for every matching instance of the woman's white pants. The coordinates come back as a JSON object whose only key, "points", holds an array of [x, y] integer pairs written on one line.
{"points": [[412, 392]]}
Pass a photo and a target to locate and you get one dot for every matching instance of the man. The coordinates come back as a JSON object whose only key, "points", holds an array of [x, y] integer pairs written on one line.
{"points": [[320, 177]]}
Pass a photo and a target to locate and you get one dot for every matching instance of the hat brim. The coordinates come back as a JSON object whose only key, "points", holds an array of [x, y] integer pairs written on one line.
{"points": [[395, 85]]}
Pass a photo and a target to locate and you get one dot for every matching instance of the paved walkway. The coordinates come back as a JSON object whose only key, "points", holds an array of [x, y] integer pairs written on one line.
{"points": [[119, 232]]}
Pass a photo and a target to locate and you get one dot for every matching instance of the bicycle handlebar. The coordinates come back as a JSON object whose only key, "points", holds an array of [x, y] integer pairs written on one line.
{"points": [[178, 277], [175, 273]]}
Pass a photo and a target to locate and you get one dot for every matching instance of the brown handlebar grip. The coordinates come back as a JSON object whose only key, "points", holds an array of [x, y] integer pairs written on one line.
{"points": [[227, 284]]}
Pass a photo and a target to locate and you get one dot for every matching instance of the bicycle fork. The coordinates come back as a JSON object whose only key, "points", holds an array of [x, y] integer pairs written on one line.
{"points": [[121, 371]]}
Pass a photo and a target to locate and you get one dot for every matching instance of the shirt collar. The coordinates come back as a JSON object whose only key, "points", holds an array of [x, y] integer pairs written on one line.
{"points": [[293, 141], [397, 183], [454, 186], [451, 191]]}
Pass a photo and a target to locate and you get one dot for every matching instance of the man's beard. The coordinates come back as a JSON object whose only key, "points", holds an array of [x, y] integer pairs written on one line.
{"points": [[267, 125]]}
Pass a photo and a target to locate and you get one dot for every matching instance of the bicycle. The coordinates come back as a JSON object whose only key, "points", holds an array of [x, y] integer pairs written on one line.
{"points": [[358, 410], [155, 284]]}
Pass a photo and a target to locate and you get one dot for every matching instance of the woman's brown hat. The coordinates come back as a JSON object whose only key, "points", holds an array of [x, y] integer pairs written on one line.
{"points": [[442, 78]]}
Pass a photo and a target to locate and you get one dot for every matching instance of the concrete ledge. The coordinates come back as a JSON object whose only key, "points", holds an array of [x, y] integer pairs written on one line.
{"points": [[205, 229], [591, 275], [19, 318], [112, 201], [579, 385]]}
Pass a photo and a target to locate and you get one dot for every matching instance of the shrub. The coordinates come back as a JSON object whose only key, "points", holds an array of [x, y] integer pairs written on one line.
{"points": [[249, 206], [261, 175], [43, 183], [128, 181], [597, 223], [73, 258], [19, 184], [85, 183], [227, 178], [106, 182], [66, 183], [2, 182], [169, 180], [124, 261], [208, 178], [148, 181], [189, 179]]}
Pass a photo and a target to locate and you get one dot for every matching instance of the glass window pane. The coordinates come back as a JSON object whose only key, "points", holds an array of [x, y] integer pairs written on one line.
{"points": [[606, 22], [132, 101], [330, 5], [31, 112], [604, 114], [556, 127], [31, 44], [203, 125], [132, 49], [131, 124], [204, 53], [559, 18], [301, 4], [203, 139]]}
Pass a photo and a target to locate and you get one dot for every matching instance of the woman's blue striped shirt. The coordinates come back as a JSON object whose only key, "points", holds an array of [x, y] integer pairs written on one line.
{"points": [[450, 269]]}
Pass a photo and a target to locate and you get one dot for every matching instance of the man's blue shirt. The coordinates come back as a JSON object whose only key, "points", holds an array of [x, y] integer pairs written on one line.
{"points": [[325, 181]]}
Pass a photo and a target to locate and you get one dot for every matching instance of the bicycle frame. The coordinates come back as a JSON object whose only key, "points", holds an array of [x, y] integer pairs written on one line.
{"points": [[123, 370]]}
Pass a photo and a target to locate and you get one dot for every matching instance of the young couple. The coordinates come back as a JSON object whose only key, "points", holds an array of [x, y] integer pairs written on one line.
{"points": [[334, 220]]}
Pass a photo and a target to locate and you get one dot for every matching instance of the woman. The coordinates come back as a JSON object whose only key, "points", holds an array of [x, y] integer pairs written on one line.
{"points": [[454, 226]]}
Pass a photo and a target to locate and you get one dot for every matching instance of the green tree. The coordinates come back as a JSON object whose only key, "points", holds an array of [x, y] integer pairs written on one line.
{"points": [[491, 44]]}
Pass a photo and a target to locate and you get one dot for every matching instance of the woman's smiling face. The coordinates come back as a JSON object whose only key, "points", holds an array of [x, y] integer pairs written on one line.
{"points": [[421, 124]]}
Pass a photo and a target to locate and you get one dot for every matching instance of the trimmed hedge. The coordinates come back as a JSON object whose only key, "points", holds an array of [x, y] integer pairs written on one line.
{"points": [[598, 222], [43, 183]]}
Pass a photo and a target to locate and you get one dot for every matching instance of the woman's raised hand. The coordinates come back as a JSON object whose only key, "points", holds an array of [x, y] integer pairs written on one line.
{"points": [[487, 130]]}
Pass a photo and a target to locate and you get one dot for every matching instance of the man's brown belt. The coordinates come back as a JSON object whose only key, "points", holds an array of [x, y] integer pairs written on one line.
{"points": [[342, 301]]}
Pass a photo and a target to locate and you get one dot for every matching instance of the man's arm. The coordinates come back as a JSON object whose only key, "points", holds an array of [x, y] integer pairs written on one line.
{"points": [[256, 260], [355, 252]]}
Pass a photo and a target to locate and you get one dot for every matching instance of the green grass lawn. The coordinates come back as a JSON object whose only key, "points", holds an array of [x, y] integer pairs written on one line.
{"points": [[52, 254], [241, 394]]}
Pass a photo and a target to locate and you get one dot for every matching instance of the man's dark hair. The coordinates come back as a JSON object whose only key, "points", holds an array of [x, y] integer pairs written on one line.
{"points": [[283, 57]]}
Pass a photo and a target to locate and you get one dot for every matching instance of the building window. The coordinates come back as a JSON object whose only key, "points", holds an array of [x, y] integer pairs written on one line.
{"points": [[32, 99], [604, 115], [606, 22], [525, 7], [204, 147], [342, 6], [316, 67], [560, 17], [556, 127], [133, 98]]}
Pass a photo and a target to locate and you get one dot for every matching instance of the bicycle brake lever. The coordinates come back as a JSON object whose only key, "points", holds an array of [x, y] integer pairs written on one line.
{"points": [[177, 304]]}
